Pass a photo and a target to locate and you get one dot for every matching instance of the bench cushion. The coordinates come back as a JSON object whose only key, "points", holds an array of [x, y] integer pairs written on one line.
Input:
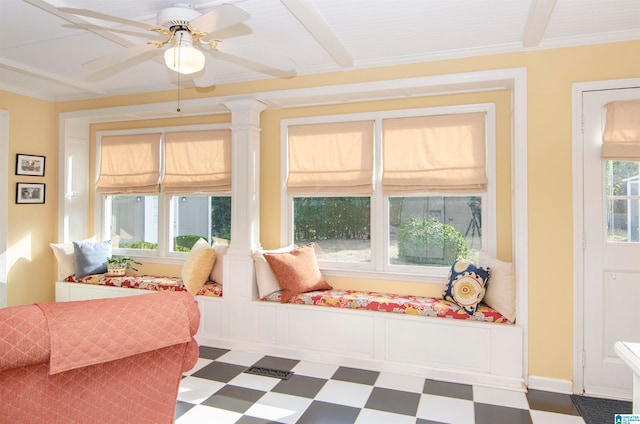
{"points": [[385, 302], [146, 282]]}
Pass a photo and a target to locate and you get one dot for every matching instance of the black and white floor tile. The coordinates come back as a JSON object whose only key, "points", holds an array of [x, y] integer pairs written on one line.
{"points": [[218, 390]]}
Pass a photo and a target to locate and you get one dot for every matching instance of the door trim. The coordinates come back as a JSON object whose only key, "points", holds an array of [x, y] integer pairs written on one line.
{"points": [[578, 89], [4, 210]]}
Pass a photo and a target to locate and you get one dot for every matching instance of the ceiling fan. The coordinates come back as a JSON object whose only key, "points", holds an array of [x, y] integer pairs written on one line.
{"points": [[187, 32]]}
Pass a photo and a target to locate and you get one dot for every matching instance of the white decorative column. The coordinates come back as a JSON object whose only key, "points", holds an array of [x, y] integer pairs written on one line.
{"points": [[238, 269]]}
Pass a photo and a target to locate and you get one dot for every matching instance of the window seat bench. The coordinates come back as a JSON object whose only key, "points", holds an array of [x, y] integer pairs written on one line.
{"points": [[145, 282], [387, 302], [424, 336]]}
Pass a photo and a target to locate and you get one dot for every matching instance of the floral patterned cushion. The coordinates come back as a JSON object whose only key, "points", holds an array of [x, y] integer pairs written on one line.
{"points": [[466, 284], [385, 302], [146, 282]]}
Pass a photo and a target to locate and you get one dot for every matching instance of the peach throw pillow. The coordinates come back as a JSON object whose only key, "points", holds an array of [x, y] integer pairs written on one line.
{"points": [[198, 266], [297, 271]]}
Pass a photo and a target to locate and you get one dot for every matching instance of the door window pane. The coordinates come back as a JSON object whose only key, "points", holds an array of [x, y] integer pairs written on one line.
{"points": [[623, 201], [434, 230], [340, 227]]}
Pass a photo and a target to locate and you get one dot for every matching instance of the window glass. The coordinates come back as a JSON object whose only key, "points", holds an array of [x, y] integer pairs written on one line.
{"points": [[623, 201], [134, 221], [339, 226], [194, 217], [425, 211], [434, 230]]}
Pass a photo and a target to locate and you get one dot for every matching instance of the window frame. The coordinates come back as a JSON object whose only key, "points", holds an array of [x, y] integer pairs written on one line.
{"points": [[380, 268], [102, 208]]}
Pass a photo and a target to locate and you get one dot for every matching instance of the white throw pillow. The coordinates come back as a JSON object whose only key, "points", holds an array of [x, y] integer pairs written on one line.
{"points": [[266, 279], [501, 289], [216, 272], [64, 253]]}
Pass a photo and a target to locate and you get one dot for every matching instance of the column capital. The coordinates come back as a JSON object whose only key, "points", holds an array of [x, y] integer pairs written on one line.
{"points": [[245, 111]]}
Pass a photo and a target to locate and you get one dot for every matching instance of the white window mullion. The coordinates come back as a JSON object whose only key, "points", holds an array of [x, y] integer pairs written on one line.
{"points": [[379, 211], [164, 222], [489, 213]]}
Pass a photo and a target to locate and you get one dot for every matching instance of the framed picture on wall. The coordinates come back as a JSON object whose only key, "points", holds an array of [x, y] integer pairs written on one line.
{"points": [[30, 165], [29, 193]]}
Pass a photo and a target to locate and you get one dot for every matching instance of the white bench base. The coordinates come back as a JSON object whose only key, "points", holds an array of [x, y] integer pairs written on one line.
{"points": [[439, 348]]}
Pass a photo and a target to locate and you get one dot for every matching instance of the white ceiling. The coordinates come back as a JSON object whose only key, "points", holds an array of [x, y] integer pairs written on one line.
{"points": [[41, 56]]}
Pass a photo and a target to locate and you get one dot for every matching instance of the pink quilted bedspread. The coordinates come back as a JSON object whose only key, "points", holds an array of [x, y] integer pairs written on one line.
{"points": [[385, 302], [145, 282], [91, 332], [129, 377]]}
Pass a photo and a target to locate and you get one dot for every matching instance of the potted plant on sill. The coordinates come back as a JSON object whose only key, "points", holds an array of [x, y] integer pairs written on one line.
{"points": [[118, 265]]}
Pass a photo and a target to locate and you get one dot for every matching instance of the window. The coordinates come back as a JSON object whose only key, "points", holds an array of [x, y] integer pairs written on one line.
{"points": [[621, 154], [394, 192], [623, 201], [163, 190], [340, 227]]}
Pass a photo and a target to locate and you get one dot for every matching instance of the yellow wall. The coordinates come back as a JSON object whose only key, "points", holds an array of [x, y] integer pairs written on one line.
{"points": [[32, 130], [550, 74]]}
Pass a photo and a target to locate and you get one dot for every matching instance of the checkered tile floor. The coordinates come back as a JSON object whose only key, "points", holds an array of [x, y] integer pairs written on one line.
{"points": [[218, 391]]}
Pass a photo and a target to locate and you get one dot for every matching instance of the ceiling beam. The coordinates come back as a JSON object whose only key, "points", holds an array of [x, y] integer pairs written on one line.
{"points": [[50, 76], [539, 15], [318, 27], [51, 6]]}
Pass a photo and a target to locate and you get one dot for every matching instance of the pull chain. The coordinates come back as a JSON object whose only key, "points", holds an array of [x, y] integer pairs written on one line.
{"points": [[178, 109]]}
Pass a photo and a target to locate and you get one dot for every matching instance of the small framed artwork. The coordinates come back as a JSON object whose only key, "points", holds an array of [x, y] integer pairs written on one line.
{"points": [[29, 193], [30, 165]]}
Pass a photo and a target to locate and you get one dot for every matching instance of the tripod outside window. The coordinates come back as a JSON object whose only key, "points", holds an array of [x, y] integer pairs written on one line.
{"points": [[475, 224]]}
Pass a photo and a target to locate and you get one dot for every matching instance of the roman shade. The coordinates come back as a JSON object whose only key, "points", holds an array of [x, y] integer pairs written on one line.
{"points": [[621, 138], [331, 158], [441, 153], [129, 164], [197, 162]]}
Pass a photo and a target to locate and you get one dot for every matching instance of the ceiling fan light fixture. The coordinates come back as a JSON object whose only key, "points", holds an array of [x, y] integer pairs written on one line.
{"points": [[183, 57]]}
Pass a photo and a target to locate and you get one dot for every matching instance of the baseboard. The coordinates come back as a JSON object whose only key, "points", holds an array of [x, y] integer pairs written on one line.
{"points": [[550, 384], [436, 373], [609, 393]]}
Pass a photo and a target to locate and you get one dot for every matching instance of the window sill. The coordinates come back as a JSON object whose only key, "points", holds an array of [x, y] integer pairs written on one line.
{"points": [[158, 260], [386, 276]]}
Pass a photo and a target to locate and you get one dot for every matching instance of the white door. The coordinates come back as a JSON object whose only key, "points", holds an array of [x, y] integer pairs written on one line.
{"points": [[611, 253]]}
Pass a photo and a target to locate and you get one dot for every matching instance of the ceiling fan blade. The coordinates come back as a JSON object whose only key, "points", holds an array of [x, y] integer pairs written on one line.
{"points": [[256, 57], [119, 56], [118, 67], [148, 35], [222, 16], [237, 30], [104, 17]]}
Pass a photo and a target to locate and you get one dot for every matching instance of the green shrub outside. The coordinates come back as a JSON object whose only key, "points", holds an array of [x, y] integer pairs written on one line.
{"points": [[144, 245], [326, 218], [430, 242], [184, 243]]}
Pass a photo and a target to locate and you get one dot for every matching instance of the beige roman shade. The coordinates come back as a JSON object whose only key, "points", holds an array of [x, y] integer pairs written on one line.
{"points": [[197, 162], [443, 153], [331, 158], [621, 138], [129, 164]]}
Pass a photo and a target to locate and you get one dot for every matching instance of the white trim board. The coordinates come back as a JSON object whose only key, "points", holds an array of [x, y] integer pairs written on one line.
{"points": [[4, 206], [553, 385]]}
